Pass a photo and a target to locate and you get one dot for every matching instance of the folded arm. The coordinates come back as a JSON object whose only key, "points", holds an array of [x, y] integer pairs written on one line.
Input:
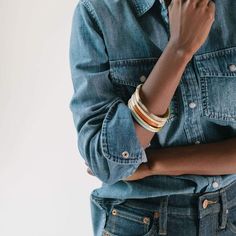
{"points": [[101, 118], [216, 158]]}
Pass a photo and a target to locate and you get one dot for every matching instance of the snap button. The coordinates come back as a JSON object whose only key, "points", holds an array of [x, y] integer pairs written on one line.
{"points": [[215, 184], [197, 142], [205, 204], [114, 212], [192, 105], [146, 220], [142, 78], [125, 154], [232, 67]]}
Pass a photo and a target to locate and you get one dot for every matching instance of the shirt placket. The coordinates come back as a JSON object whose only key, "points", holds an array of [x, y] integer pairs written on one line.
{"points": [[191, 100]]}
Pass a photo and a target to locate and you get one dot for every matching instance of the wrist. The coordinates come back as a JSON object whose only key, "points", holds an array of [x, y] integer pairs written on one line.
{"points": [[183, 54], [163, 162]]}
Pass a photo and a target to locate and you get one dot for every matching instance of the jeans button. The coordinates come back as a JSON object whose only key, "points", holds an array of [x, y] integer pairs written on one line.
{"points": [[114, 212]]}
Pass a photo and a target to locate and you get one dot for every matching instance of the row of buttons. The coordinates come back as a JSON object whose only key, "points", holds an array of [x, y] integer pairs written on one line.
{"points": [[193, 105]]}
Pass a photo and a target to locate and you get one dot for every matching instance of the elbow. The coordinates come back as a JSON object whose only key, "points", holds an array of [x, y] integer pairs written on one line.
{"points": [[104, 166]]}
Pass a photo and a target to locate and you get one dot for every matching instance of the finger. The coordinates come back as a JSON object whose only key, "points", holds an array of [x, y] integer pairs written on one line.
{"points": [[89, 171], [202, 3], [211, 5], [211, 8]]}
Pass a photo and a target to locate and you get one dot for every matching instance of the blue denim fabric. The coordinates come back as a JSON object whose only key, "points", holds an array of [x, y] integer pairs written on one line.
{"points": [[199, 214], [113, 44]]}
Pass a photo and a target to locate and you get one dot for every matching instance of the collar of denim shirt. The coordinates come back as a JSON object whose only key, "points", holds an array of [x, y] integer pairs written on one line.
{"points": [[142, 6]]}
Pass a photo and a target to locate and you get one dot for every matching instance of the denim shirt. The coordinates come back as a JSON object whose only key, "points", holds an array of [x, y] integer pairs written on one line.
{"points": [[114, 45]]}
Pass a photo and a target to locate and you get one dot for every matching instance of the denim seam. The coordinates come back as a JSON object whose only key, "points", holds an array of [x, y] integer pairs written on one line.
{"points": [[92, 12], [216, 53]]}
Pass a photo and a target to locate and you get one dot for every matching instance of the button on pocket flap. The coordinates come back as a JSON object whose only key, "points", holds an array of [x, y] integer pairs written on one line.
{"points": [[131, 71], [220, 63]]}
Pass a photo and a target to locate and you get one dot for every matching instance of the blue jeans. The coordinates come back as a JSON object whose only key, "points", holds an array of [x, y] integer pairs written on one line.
{"points": [[202, 214]]}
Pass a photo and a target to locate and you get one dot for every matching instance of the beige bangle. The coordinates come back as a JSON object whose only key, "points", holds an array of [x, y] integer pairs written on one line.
{"points": [[140, 121], [143, 115], [155, 117], [140, 108]]}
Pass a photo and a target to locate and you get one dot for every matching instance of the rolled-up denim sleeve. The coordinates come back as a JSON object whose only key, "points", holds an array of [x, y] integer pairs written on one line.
{"points": [[106, 135]]}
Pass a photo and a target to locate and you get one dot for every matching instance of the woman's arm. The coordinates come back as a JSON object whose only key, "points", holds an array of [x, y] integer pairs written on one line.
{"points": [[189, 27], [216, 158]]}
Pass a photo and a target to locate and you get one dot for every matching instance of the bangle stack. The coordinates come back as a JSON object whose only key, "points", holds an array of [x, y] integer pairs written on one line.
{"points": [[141, 114]]}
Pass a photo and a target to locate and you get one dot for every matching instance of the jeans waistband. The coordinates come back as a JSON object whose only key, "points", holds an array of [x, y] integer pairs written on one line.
{"points": [[200, 204]]}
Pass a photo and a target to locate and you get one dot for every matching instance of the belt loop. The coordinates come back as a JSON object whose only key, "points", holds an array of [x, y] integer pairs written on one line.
{"points": [[163, 216], [223, 212]]}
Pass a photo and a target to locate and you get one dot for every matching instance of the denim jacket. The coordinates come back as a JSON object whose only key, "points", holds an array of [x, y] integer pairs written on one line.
{"points": [[114, 45]]}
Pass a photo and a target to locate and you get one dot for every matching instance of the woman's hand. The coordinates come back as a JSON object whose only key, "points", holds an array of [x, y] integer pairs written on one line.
{"points": [[190, 23]]}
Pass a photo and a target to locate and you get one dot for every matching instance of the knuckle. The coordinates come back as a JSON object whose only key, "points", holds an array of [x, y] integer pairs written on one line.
{"points": [[211, 17]]}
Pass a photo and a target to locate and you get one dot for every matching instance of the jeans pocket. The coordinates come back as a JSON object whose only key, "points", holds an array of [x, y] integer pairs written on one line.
{"points": [[99, 208], [125, 220], [217, 76], [231, 219]]}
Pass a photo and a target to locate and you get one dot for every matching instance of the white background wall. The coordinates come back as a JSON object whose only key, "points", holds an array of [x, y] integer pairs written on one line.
{"points": [[44, 186]]}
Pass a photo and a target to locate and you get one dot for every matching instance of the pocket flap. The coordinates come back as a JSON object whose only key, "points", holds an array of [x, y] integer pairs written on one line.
{"points": [[129, 71], [220, 63]]}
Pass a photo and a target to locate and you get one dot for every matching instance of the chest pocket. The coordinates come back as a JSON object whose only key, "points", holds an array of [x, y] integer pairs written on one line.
{"points": [[127, 74], [217, 76]]}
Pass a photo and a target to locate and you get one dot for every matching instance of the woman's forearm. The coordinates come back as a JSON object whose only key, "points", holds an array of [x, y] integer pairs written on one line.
{"points": [[216, 158], [159, 88]]}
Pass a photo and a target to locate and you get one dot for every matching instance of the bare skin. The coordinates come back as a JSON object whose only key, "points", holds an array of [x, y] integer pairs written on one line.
{"points": [[218, 158], [159, 88]]}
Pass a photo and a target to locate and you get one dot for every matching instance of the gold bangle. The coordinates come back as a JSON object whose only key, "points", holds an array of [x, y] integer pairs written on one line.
{"points": [[151, 120], [155, 117], [143, 115], [140, 121]]}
